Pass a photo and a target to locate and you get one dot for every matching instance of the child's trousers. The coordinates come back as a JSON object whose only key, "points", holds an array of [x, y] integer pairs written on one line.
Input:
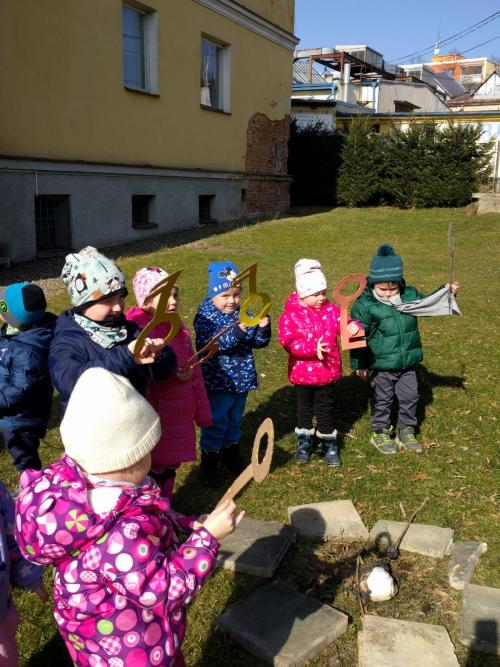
{"points": [[227, 413], [386, 385], [315, 401], [9, 657], [23, 447]]}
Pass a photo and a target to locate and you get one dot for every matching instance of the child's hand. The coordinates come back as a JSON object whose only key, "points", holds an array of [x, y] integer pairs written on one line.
{"points": [[199, 521], [454, 288], [150, 350], [321, 347], [264, 322], [362, 373], [352, 329], [41, 592], [184, 374], [243, 326], [223, 520]]}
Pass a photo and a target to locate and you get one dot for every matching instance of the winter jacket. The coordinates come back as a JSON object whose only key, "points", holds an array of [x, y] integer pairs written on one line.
{"points": [[73, 351], [393, 338], [25, 386], [232, 369], [122, 578], [14, 569], [179, 404], [300, 328]]}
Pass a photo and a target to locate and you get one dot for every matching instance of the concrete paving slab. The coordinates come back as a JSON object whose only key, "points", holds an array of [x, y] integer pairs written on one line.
{"points": [[420, 539], [388, 642], [337, 520], [256, 547], [281, 626], [480, 623], [464, 558]]}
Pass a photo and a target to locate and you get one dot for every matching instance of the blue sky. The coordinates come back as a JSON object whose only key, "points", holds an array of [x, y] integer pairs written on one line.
{"points": [[397, 27]]}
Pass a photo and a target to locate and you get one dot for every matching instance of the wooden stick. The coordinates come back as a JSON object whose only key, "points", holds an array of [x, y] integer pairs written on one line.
{"points": [[410, 521], [358, 583]]}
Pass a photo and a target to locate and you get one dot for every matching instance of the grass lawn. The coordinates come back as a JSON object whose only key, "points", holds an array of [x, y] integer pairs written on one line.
{"points": [[458, 411]]}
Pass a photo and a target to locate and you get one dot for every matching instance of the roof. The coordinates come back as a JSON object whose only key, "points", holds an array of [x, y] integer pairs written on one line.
{"points": [[301, 74], [453, 87]]}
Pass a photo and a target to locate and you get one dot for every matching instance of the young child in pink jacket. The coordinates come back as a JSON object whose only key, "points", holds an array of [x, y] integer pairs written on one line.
{"points": [[181, 401], [308, 331]]}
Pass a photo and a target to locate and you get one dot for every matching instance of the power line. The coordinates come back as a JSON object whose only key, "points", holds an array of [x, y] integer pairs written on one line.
{"points": [[482, 44]]}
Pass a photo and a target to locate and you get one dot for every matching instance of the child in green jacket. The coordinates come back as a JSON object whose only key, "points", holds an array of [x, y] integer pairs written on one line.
{"points": [[394, 348]]}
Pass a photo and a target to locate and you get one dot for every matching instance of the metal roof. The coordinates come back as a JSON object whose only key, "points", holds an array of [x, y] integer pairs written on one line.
{"points": [[301, 74]]}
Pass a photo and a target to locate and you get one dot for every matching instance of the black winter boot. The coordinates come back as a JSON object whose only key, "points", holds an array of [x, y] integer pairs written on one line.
{"points": [[231, 458], [304, 444], [210, 469], [330, 448]]}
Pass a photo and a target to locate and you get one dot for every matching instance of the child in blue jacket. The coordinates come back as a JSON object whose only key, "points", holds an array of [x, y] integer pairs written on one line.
{"points": [[230, 374], [26, 331]]}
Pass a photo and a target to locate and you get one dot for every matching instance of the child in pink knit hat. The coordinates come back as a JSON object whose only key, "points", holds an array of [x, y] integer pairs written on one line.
{"points": [[181, 401]]}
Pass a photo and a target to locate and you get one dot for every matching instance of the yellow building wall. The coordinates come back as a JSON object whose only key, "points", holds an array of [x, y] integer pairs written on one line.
{"points": [[63, 95], [280, 12]]}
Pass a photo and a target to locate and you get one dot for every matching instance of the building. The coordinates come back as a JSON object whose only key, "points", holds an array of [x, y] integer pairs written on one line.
{"points": [[485, 98], [122, 119], [470, 72]]}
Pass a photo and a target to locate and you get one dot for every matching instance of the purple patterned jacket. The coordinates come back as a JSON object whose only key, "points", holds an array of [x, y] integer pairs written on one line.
{"points": [[123, 579]]}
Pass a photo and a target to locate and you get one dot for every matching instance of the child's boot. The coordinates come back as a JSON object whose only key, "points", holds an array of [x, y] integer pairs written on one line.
{"points": [[382, 440], [406, 440], [330, 448], [210, 469], [231, 458], [304, 444]]}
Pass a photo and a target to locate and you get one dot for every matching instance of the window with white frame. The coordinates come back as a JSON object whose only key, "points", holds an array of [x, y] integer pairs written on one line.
{"points": [[140, 68], [215, 75]]}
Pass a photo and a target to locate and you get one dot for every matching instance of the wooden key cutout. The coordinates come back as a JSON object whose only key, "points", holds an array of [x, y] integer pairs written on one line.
{"points": [[250, 272], [256, 470], [207, 351], [349, 342]]}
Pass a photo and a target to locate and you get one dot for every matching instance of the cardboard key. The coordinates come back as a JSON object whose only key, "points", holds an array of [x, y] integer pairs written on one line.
{"points": [[207, 351], [250, 272], [349, 342], [256, 470]]}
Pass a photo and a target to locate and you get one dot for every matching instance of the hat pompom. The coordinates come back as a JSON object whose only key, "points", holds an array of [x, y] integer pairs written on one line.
{"points": [[385, 250]]}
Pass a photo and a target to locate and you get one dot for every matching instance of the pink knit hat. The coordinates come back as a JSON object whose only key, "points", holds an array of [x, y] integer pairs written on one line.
{"points": [[145, 280]]}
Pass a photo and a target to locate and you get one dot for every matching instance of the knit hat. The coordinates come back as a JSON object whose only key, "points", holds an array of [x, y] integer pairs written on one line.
{"points": [[108, 425], [220, 277], [309, 278], [145, 280], [90, 277], [386, 266], [22, 304]]}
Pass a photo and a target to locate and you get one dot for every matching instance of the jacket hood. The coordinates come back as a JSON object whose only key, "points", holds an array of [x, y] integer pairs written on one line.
{"points": [[39, 335]]}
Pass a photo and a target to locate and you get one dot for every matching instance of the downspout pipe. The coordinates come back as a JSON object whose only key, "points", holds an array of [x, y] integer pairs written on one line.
{"points": [[346, 81], [374, 94]]}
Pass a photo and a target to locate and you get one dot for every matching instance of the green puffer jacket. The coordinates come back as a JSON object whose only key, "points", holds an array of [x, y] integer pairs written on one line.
{"points": [[393, 338]]}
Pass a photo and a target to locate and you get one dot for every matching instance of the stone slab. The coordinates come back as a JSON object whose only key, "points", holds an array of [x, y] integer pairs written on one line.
{"points": [[256, 547], [464, 558], [388, 642], [480, 622], [281, 626], [337, 520], [420, 539]]}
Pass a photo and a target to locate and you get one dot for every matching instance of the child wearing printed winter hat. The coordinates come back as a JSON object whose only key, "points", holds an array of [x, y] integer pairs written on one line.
{"points": [[181, 401], [308, 331], [230, 374], [94, 332], [124, 570], [26, 331], [387, 310]]}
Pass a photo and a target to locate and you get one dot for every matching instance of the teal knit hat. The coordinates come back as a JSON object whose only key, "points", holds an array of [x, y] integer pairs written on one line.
{"points": [[386, 266]]}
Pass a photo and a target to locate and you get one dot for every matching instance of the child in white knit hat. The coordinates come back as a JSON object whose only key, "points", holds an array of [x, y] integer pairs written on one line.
{"points": [[308, 331], [125, 570]]}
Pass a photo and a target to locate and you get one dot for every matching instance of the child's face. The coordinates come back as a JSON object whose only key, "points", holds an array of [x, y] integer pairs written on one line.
{"points": [[172, 303], [105, 309], [314, 300], [228, 301], [386, 290]]}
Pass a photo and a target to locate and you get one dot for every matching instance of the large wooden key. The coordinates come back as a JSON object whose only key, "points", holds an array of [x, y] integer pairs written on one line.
{"points": [[349, 342], [254, 298], [256, 470], [207, 351]]}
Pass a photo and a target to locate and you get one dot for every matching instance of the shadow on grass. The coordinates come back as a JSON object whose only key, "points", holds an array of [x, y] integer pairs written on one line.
{"points": [[53, 653]]}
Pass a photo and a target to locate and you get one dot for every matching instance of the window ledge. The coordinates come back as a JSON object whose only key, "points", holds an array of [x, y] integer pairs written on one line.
{"points": [[216, 109], [208, 221], [145, 225], [142, 91]]}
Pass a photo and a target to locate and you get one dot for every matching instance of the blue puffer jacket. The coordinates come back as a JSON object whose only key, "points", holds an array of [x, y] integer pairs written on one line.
{"points": [[73, 351], [232, 369], [25, 386]]}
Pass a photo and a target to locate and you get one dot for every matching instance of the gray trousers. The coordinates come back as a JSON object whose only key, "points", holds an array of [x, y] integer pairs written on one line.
{"points": [[387, 384]]}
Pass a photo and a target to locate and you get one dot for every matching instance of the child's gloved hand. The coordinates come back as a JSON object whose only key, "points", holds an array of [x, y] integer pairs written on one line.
{"points": [[321, 347], [362, 373], [41, 592], [223, 520]]}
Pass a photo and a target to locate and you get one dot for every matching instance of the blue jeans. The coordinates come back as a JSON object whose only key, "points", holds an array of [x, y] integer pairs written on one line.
{"points": [[227, 413]]}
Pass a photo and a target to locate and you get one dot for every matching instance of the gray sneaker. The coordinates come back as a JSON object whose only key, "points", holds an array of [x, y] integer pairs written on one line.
{"points": [[383, 441], [406, 440]]}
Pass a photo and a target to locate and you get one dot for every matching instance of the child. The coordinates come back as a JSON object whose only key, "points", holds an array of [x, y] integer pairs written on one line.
{"points": [[26, 331], [182, 399], [15, 571], [230, 374], [394, 348], [95, 332], [308, 331], [123, 574]]}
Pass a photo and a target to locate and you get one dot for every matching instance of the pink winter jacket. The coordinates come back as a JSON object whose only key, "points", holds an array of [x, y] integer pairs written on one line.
{"points": [[179, 404], [300, 327]]}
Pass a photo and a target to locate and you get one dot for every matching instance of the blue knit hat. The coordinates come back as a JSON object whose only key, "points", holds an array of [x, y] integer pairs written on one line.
{"points": [[22, 304], [220, 277], [386, 266]]}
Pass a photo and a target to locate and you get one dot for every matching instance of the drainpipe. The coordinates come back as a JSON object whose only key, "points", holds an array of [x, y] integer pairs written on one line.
{"points": [[374, 94], [346, 80]]}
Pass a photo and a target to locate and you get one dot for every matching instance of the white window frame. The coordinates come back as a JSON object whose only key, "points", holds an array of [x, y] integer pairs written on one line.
{"points": [[150, 48], [224, 83]]}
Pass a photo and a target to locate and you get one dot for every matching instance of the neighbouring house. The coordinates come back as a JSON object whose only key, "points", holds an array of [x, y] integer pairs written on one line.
{"points": [[470, 72], [122, 120], [485, 98]]}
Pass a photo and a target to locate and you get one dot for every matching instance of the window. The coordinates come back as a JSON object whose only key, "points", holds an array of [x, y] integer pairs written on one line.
{"points": [[205, 207], [215, 75], [141, 212], [140, 49], [52, 222]]}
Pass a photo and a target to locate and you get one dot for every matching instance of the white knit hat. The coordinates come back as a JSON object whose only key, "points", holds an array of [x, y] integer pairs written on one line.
{"points": [[108, 425], [309, 278]]}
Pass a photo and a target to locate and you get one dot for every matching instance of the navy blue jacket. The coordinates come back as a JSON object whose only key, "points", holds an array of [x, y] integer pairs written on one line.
{"points": [[25, 387], [73, 351], [232, 369]]}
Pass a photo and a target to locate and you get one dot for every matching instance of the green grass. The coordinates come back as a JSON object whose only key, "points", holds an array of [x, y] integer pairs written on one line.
{"points": [[458, 411]]}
